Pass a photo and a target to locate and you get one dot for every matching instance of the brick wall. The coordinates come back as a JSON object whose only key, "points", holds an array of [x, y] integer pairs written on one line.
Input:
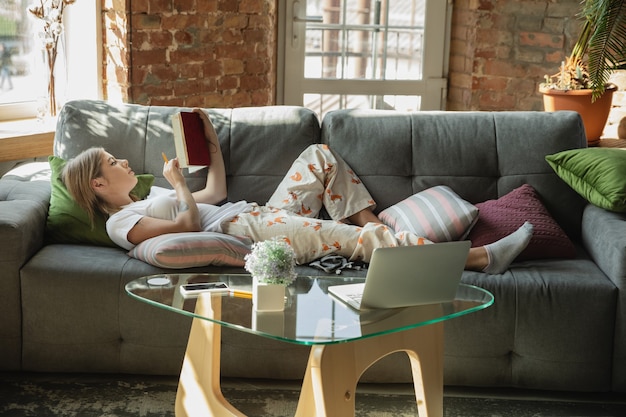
{"points": [[221, 53], [501, 49], [116, 54], [206, 53]]}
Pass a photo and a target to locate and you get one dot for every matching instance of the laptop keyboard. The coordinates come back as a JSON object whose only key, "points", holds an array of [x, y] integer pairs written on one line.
{"points": [[356, 297]]}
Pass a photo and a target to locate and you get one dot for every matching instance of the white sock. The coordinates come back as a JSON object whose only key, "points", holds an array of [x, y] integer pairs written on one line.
{"points": [[505, 250]]}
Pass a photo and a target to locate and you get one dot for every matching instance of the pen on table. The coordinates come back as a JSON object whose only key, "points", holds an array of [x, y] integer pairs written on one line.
{"points": [[164, 157], [239, 293]]}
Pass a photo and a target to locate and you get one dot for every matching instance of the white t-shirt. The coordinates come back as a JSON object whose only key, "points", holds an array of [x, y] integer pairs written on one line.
{"points": [[161, 203]]}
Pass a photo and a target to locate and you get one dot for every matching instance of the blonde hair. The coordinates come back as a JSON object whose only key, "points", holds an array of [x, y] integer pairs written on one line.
{"points": [[77, 176]]}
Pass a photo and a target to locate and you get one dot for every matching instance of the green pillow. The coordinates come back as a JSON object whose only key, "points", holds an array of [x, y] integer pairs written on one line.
{"points": [[598, 174], [68, 222]]}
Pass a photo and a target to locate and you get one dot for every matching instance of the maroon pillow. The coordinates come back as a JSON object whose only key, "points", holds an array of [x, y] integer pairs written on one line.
{"points": [[498, 218]]}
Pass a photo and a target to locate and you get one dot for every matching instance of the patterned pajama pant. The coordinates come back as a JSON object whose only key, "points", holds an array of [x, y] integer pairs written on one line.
{"points": [[319, 179]]}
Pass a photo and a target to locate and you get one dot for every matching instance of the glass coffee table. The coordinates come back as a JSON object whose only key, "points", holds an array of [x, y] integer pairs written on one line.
{"points": [[344, 342]]}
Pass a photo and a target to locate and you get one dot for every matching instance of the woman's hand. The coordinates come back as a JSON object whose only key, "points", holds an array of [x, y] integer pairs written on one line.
{"points": [[187, 219], [215, 190], [209, 131], [173, 173]]}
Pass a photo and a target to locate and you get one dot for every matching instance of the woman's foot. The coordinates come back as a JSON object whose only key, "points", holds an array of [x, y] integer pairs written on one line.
{"points": [[500, 254]]}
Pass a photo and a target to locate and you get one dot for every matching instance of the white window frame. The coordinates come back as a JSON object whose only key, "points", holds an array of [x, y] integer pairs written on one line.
{"points": [[432, 87]]}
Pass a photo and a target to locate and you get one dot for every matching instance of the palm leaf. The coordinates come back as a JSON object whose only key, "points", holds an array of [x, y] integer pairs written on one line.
{"points": [[605, 43]]}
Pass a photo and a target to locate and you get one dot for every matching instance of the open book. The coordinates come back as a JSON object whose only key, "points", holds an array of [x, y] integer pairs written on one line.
{"points": [[192, 148]]}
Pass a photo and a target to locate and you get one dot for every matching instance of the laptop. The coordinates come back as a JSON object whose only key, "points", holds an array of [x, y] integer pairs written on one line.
{"points": [[407, 276]]}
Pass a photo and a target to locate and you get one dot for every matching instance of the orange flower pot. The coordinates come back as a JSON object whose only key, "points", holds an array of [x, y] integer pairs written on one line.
{"points": [[593, 113]]}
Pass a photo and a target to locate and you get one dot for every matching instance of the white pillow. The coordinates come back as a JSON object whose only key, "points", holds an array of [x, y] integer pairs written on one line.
{"points": [[436, 213], [192, 249]]}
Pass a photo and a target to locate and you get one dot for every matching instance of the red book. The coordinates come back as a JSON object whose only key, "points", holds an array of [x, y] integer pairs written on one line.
{"points": [[192, 148]]}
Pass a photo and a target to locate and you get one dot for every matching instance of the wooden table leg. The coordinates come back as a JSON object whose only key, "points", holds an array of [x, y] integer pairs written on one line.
{"points": [[333, 371], [199, 392]]}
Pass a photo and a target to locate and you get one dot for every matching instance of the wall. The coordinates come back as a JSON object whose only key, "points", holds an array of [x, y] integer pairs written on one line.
{"points": [[116, 55], [221, 53], [501, 50], [617, 115], [206, 53]]}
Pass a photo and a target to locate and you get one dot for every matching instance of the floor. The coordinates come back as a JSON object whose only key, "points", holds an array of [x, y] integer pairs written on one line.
{"points": [[52, 395]]}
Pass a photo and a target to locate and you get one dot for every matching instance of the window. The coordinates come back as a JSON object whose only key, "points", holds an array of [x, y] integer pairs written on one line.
{"points": [[378, 54], [24, 86]]}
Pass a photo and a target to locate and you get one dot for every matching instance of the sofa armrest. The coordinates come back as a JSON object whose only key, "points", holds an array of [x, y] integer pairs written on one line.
{"points": [[23, 213], [604, 237]]}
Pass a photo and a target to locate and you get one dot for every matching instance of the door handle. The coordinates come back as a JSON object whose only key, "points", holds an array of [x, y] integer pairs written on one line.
{"points": [[309, 19], [295, 39]]}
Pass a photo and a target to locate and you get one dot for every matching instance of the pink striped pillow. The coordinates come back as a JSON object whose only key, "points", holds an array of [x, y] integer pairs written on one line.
{"points": [[436, 213], [188, 250]]}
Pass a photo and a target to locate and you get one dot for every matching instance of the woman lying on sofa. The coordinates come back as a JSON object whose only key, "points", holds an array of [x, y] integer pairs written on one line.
{"points": [[101, 183]]}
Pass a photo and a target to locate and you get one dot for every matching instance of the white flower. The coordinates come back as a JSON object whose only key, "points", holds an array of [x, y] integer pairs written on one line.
{"points": [[272, 261], [56, 28], [54, 15], [50, 13]]}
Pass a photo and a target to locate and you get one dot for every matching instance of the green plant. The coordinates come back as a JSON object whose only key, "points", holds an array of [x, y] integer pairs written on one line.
{"points": [[599, 49], [572, 75]]}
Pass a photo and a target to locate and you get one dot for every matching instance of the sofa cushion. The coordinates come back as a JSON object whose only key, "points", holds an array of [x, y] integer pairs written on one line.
{"points": [[597, 174], [501, 217], [437, 213], [68, 223], [192, 249]]}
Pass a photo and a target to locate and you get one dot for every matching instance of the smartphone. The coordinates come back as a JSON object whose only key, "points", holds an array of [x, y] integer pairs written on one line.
{"points": [[189, 290]]}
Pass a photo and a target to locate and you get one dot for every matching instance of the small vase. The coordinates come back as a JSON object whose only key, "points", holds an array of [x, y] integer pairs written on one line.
{"points": [[267, 297], [271, 322], [56, 76]]}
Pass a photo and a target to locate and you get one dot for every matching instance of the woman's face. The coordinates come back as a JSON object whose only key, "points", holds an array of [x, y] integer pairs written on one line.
{"points": [[117, 173]]}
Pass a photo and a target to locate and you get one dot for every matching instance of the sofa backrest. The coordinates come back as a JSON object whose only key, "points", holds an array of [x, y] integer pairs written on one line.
{"points": [[259, 143], [480, 155]]}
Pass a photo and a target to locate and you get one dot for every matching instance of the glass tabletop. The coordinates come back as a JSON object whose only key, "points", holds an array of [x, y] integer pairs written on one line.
{"points": [[312, 316]]}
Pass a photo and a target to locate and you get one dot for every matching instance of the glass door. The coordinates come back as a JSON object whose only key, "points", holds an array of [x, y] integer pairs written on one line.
{"points": [[379, 54]]}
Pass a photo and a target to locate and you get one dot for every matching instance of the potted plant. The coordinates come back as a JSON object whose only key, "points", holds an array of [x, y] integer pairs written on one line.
{"points": [[582, 81], [272, 266]]}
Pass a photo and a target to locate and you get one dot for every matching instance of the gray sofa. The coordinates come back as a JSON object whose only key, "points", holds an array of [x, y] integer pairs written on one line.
{"points": [[557, 324]]}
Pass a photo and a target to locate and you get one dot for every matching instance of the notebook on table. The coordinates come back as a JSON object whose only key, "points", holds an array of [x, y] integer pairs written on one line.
{"points": [[407, 276]]}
